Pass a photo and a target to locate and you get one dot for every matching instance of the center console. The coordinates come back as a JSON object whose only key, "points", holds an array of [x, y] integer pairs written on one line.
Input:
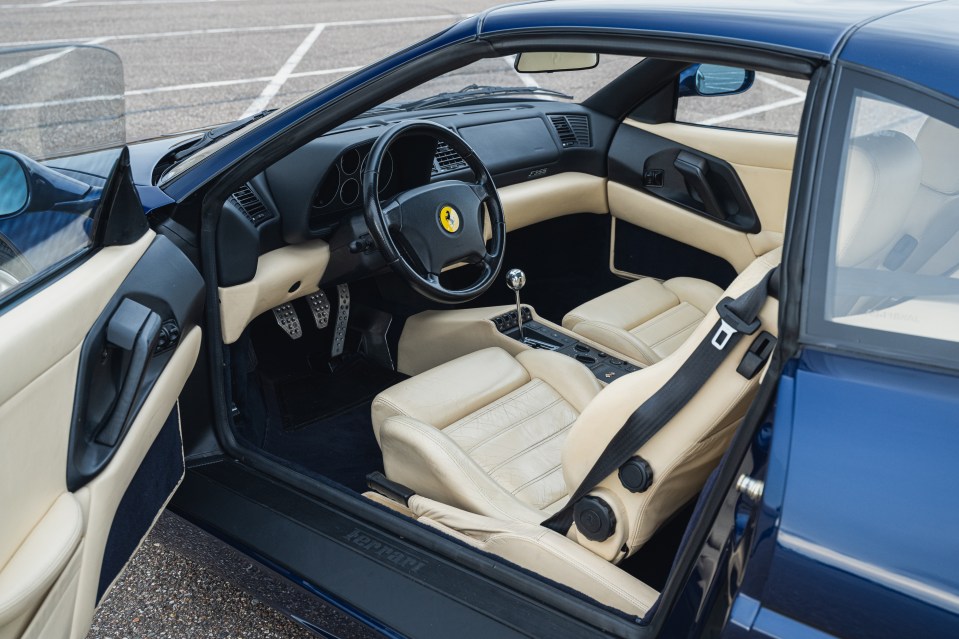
{"points": [[604, 366]]}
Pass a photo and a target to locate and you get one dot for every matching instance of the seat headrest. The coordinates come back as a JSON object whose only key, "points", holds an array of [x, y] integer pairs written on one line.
{"points": [[939, 148], [883, 172]]}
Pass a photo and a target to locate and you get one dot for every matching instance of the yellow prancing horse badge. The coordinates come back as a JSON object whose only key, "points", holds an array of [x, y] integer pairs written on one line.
{"points": [[449, 219]]}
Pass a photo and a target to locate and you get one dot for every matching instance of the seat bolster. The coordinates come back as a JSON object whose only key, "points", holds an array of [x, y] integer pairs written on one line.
{"points": [[569, 378], [700, 293], [625, 307], [544, 552], [618, 340], [449, 392], [428, 461]]}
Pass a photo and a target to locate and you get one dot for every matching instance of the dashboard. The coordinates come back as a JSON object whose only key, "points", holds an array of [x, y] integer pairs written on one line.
{"points": [[315, 192]]}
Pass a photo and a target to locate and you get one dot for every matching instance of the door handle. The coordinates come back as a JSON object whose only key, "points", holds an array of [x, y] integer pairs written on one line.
{"points": [[133, 328], [695, 170]]}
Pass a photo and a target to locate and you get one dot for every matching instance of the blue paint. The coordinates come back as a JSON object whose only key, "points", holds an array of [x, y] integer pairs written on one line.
{"points": [[866, 542], [919, 45]]}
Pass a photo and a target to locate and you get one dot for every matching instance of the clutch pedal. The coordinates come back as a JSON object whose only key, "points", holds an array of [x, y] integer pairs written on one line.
{"points": [[288, 320]]}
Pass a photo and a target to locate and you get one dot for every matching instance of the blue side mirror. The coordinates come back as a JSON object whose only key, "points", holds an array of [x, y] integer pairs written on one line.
{"points": [[714, 79]]}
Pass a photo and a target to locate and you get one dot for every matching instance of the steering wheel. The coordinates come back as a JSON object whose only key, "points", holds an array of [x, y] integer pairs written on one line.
{"points": [[425, 229]]}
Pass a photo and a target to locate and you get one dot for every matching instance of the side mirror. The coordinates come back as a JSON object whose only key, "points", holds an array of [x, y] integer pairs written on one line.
{"points": [[550, 61], [14, 187], [714, 79]]}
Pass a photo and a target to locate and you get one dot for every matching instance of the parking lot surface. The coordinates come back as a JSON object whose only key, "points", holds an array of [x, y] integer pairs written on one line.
{"points": [[193, 63]]}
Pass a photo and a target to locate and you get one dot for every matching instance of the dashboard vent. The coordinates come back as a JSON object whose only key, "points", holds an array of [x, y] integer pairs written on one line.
{"points": [[573, 130], [447, 159], [251, 205]]}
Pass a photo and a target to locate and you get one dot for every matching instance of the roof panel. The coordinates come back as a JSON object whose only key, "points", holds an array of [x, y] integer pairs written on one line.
{"points": [[811, 26], [920, 45]]}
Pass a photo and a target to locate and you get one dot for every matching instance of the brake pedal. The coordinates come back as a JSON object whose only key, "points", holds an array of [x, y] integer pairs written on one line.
{"points": [[342, 319], [287, 319], [320, 307]]}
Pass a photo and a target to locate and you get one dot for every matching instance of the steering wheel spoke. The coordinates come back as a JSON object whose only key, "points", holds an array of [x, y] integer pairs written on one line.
{"points": [[437, 224]]}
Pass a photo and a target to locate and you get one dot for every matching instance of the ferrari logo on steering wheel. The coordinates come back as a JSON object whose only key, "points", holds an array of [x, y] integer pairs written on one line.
{"points": [[449, 219]]}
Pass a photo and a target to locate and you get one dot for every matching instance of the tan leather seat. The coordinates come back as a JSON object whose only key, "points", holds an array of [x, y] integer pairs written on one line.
{"points": [[510, 438], [646, 319]]}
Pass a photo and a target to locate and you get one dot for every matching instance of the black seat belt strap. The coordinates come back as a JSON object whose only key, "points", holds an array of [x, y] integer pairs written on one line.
{"points": [[737, 317]]}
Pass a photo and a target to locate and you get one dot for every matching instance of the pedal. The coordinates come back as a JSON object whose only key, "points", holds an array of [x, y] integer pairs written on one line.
{"points": [[342, 319], [320, 307], [287, 319]]}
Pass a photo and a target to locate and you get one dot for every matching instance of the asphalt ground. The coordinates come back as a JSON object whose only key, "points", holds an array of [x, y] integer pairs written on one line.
{"points": [[191, 63]]}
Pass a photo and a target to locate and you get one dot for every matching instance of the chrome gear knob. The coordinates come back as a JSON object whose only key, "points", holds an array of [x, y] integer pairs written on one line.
{"points": [[516, 279]]}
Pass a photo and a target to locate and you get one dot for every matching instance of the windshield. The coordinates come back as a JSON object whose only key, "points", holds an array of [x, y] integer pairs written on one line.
{"points": [[46, 110], [499, 72]]}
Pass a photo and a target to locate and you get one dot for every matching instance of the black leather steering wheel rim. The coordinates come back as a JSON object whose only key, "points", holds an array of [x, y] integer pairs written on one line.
{"points": [[421, 216]]}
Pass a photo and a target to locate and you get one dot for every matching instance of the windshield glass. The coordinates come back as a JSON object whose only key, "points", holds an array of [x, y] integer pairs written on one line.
{"points": [[60, 100], [499, 72]]}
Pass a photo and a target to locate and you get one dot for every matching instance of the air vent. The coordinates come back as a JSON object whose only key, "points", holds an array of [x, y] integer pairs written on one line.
{"points": [[250, 204], [447, 159], [573, 130]]}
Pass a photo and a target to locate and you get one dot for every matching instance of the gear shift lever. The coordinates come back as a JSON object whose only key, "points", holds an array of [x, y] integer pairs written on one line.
{"points": [[516, 279]]}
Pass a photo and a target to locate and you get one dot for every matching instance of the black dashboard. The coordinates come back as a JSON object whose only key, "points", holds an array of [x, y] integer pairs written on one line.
{"points": [[315, 191]]}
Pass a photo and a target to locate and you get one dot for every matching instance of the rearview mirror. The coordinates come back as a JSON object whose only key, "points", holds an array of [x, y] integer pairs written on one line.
{"points": [[550, 61], [714, 79], [14, 192]]}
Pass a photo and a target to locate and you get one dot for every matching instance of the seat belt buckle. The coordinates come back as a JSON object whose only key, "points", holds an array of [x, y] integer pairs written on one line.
{"points": [[730, 324]]}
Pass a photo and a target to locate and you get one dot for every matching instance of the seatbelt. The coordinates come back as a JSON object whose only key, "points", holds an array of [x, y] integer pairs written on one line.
{"points": [[738, 317]]}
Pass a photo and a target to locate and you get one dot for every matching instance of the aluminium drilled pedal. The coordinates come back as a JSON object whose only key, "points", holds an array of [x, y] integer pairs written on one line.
{"points": [[342, 319], [287, 319], [319, 305]]}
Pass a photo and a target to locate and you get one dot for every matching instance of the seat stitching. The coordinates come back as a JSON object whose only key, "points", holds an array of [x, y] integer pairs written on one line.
{"points": [[533, 385], [669, 312], [437, 437], [537, 478], [684, 328], [514, 425], [536, 444]]}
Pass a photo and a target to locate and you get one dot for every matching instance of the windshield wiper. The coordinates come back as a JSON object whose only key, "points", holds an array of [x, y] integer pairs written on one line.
{"points": [[476, 92], [216, 133]]}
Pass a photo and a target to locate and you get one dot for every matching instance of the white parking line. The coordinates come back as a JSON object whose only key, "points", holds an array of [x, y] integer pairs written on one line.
{"points": [[781, 86], [510, 60], [278, 80], [255, 29], [43, 59], [728, 117], [171, 88]]}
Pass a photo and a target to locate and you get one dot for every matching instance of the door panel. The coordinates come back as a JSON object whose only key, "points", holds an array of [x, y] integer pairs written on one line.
{"points": [[55, 523], [762, 166]]}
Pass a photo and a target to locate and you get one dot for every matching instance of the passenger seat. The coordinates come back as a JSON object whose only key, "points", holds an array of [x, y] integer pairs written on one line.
{"points": [[645, 320]]}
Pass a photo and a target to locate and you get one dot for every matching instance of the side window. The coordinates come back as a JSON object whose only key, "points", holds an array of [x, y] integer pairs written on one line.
{"points": [[771, 104], [892, 264], [46, 217]]}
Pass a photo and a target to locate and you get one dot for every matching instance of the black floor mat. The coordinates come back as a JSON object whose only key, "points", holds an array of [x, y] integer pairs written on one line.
{"points": [[341, 447], [326, 421], [313, 398]]}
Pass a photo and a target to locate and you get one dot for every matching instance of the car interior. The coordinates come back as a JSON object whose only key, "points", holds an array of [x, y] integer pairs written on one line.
{"points": [[451, 313]]}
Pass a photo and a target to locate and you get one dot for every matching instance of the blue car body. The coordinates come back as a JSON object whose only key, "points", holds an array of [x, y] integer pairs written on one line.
{"points": [[858, 532]]}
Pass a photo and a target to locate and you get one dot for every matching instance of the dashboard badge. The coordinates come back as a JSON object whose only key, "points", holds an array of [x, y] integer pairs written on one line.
{"points": [[449, 219]]}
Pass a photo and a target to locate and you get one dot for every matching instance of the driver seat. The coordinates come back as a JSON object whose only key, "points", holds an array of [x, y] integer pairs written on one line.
{"points": [[511, 437]]}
